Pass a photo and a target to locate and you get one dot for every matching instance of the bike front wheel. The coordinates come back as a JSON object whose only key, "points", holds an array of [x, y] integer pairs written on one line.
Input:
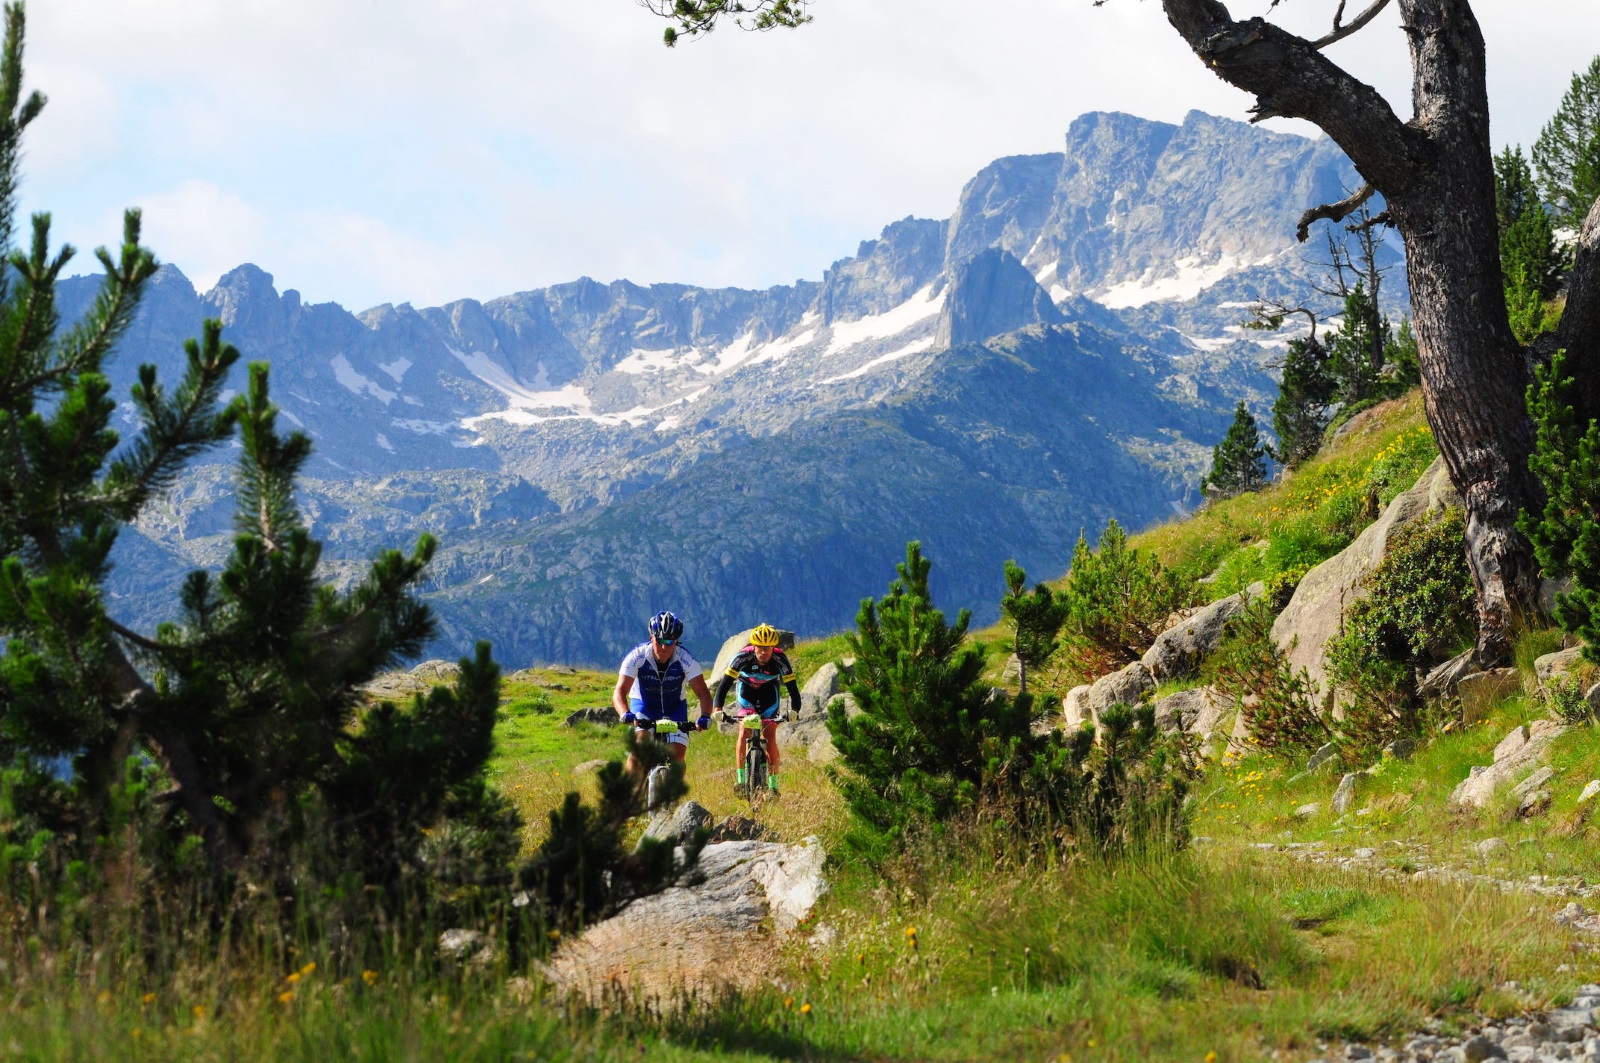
{"points": [[755, 769]]}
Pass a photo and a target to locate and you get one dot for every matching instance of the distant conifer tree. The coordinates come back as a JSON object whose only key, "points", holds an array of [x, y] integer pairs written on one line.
{"points": [[1566, 154], [1530, 262], [1036, 616], [1239, 462], [1300, 412]]}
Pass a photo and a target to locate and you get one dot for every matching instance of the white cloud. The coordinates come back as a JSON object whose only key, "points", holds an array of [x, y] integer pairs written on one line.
{"points": [[202, 229], [475, 147]]}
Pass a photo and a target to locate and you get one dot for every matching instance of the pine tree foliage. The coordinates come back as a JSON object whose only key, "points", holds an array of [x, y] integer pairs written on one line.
{"points": [[241, 724], [1300, 413], [1115, 601], [1566, 155], [1530, 262], [932, 743], [1239, 462], [1036, 616], [1356, 352], [913, 754], [694, 17], [1566, 535], [1514, 188]]}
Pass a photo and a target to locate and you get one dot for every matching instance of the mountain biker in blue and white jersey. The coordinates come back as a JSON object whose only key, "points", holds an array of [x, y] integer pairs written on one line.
{"points": [[758, 669], [661, 668]]}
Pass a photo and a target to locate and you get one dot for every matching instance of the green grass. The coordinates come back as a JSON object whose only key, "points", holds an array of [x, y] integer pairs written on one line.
{"points": [[1307, 516], [962, 949]]}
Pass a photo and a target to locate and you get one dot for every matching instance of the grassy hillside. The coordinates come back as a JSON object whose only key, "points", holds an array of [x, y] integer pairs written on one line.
{"points": [[1281, 931]]}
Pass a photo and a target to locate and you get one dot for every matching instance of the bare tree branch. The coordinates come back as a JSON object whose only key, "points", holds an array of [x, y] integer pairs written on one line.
{"points": [[137, 639], [1290, 76], [1268, 314], [1332, 211], [1341, 32], [1375, 221]]}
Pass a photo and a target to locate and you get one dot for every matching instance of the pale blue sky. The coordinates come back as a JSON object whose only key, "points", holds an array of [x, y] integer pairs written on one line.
{"points": [[369, 151]]}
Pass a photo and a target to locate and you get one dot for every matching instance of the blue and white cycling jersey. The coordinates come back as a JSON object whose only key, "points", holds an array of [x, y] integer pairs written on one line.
{"points": [[657, 692]]}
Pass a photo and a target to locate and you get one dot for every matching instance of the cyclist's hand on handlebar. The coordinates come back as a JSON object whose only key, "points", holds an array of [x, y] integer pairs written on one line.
{"points": [[630, 719], [703, 723]]}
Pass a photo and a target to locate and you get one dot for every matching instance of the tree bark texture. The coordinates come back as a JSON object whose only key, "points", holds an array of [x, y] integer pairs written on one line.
{"points": [[1436, 175]]}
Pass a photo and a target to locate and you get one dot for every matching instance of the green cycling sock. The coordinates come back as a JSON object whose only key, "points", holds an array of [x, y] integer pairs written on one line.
{"points": [[738, 774], [772, 783]]}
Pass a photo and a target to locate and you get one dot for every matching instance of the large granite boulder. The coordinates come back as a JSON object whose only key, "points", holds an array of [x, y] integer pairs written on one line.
{"points": [[1075, 708], [678, 824], [1314, 614], [1198, 711], [1481, 691], [825, 684], [698, 940], [1127, 686], [1178, 651], [1563, 665], [810, 734]]}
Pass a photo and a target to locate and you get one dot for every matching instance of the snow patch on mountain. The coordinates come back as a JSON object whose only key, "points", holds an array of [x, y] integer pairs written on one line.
{"points": [[900, 352], [915, 310], [640, 360], [346, 374], [1191, 278], [397, 368]]}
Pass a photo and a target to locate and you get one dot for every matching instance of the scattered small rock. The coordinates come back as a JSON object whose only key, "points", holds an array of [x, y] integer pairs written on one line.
{"points": [[468, 947], [737, 829], [1345, 795]]}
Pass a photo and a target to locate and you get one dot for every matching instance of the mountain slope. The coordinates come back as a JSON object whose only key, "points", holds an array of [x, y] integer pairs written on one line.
{"points": [[1063, 349]]}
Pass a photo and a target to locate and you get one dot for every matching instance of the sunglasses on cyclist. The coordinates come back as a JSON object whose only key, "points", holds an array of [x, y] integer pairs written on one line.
{"points": [[666, 642]]}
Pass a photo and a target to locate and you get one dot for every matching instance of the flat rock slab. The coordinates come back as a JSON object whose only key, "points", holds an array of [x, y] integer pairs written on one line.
{"points": [[695, 941]]}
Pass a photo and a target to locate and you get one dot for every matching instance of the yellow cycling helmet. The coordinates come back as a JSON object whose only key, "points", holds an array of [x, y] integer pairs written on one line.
{"points": [[765, 635]]}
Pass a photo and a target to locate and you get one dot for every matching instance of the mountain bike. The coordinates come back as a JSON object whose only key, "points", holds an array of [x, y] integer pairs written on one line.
{"points": [[657, 779], [755, 756]]}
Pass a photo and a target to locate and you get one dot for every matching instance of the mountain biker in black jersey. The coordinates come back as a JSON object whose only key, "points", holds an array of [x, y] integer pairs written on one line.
{"points": [[661, 667], [758, 669]]}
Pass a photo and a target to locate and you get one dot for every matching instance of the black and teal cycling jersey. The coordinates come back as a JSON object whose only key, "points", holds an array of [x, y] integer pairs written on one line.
{"points": [[758, 683]]}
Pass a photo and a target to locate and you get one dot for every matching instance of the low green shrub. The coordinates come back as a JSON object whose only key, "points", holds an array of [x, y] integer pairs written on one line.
{"points": [[1419, 608], [1116, 600], [1278, 703], [933, 743]]}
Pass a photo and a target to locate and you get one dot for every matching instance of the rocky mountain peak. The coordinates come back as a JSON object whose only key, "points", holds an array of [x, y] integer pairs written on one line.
{"points": [[990, 294], [885, 272]]}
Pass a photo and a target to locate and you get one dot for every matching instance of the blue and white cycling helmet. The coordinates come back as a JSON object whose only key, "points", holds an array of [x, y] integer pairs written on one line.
{"points": [[666, 627]]}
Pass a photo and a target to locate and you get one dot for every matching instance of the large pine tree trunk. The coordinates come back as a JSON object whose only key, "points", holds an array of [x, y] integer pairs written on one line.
{"points": [[1436, 174], [1474, 379]]}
